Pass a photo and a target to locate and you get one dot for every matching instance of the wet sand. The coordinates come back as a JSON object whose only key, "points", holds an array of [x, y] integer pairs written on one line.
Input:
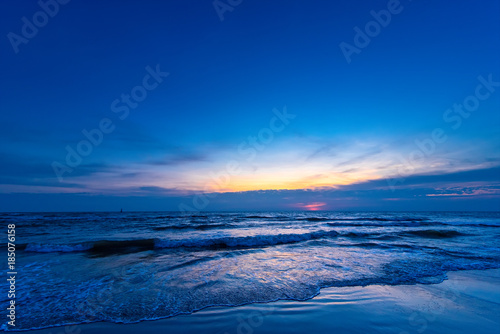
{"points": [[468, 302]]}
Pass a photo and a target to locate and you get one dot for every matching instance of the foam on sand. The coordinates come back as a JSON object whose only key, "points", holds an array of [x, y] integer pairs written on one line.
{"points": [[468, 302]]}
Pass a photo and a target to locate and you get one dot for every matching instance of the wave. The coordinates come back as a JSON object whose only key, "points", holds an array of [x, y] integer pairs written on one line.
{"points": [[192, 227], [435, 234], [251, 241], [187, 216], [270, 218], [320, 219], [102, 246], [381, 245], [119, 246], [127, 246], [359, 234], [393, 223], [374, 219], [481, 225], [51, 248], [393, 274], [315, 219]]}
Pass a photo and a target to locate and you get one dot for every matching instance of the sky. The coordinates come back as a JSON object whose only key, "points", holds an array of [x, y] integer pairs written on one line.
{"points": [[249, 105]]}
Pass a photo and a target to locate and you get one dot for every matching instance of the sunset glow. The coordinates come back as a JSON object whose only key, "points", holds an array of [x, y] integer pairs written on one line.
{"points": [[311, 206]]}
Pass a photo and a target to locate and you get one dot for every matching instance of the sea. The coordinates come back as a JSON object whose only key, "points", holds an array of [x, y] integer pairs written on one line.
{"points": [[128, 267]]}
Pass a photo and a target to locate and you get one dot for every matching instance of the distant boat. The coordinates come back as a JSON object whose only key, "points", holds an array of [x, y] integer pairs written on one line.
{"points": [[121, 210]]}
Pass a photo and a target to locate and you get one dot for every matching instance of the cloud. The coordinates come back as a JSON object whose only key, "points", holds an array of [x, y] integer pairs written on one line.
{"points": [[471, 190], [483, 175], [178, 158], [329, 150], [360, 158], [310, 206]]}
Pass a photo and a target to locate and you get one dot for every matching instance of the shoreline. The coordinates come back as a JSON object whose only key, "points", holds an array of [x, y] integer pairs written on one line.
{"points": [[468, 301]]}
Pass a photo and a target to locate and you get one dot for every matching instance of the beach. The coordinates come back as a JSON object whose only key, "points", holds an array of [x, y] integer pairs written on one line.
{"points": [[344, 271], [467, 302], [242, 167]]}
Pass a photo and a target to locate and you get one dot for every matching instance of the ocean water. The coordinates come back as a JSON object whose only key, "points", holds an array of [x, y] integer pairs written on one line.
{"points": [[129, 267]]}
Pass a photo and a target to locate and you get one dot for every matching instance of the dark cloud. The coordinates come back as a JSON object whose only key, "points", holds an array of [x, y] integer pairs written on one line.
{"points": [[467, 190], [476, 175], [38, 171], [178, 158]]}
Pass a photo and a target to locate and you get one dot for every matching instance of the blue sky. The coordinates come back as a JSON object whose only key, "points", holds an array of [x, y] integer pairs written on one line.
{"points": [[358, 135]]}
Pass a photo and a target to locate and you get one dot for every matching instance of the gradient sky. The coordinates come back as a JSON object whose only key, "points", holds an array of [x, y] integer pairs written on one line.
{"points": [[382, 131]]}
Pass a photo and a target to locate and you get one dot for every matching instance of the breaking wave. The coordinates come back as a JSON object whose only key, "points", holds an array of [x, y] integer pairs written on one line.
{"points": [[112, 246]]}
